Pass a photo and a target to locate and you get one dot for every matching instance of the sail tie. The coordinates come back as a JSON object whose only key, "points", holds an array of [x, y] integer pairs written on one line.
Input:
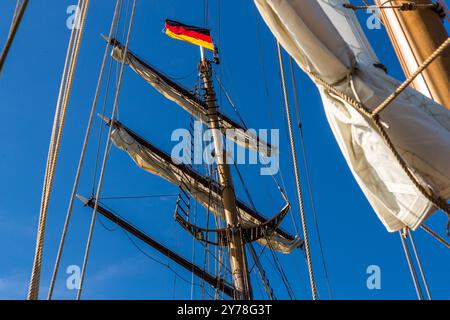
{"points": [[411, 78]]}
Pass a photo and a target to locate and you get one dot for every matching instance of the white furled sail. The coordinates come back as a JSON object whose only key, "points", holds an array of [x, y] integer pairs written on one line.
{"points": [[327, 42], [207, 193], [190, 103]]}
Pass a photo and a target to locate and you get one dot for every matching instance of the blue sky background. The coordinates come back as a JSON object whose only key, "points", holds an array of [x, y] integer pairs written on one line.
{"points": [[353, 238]]}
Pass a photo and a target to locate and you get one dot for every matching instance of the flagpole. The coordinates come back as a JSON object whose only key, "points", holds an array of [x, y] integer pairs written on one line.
{"points": [[202, 53]]}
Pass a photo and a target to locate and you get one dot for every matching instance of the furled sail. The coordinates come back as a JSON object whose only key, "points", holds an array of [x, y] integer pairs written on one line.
{"points": [[190, 102], [327, 42], [155, 161]]}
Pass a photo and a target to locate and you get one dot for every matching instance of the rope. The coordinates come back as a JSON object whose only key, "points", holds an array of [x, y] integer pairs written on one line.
{"points": [[411, 78], [412, 270], [17, 19], [250, 247], [106, 154], [55, 142], [435, 235], [230, 101], [407, 6], [81, 161], [419, 264], [297, 177], [437, 201], [308, 176], [105, 103]]}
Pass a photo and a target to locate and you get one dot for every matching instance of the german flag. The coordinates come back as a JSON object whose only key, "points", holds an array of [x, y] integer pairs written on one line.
{"points": [[198, 36]]}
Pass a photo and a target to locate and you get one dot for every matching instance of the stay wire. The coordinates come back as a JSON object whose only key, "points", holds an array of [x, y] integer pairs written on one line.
{"points": [[297, 176], [80, 164], [308, 176], [55, 144], [106, 155], [105, 102]]}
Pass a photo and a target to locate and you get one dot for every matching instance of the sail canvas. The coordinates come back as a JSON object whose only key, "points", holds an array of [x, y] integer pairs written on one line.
{"points": [[327, 40]]}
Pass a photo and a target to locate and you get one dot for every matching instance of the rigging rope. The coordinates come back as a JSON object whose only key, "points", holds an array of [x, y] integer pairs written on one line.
{"points": [[166, 265], [55, 143], [105, 102], [106, 154], [411, 78], [412, 269], [255, 258], [297, 176], [230, 101], [193, 256], [277, 265], [19, 12], [437, 201], [308, 175], [142, 251], [82, 157], [435, 235], [419, 264], [406, 6], [269, 110]]}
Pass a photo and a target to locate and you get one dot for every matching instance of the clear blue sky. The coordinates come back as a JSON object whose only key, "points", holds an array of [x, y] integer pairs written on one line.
{"points": [[353, 238]]}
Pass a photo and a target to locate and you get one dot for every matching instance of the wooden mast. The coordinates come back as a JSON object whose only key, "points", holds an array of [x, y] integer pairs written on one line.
{"points": [[415, 35], [238, 260]]}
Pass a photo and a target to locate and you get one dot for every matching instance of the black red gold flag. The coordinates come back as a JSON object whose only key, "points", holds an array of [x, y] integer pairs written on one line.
{"points": [[195, 35]]}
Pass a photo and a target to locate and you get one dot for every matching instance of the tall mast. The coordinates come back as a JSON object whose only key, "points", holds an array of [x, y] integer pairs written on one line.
{"points": [[238, 260], [415, 35]]}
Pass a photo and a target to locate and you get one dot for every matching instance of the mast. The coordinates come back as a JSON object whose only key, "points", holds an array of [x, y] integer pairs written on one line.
{"points": [[238, 260], [415, 35]]}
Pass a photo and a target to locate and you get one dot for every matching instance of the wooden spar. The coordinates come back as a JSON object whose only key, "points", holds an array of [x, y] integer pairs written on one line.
{"points": [[238, 259], [12, 34], [199, 178], [415, 35], [217, 283]]}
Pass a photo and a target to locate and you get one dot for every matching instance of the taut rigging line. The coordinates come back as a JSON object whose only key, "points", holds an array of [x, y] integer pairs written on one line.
{"points": [[17, 19], [55, 143], [106, 154], [82, 157], [297, 176]]}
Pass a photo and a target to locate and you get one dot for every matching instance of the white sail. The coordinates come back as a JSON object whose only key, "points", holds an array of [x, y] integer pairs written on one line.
{"points": [[205, 193], [191, 104], [326, 39]]}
